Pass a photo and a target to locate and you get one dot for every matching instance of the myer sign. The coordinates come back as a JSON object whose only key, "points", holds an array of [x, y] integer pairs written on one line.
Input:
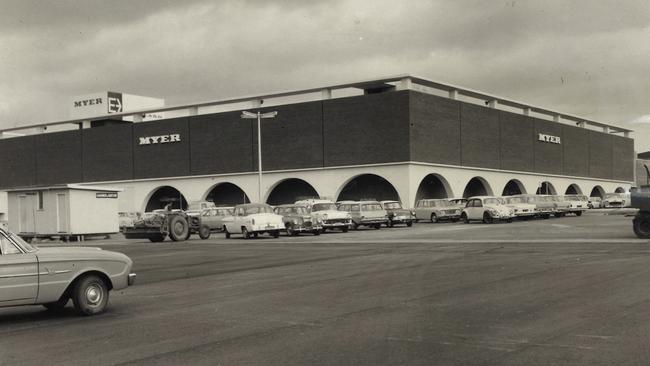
{"points": [[548, 138], [162, 139], [100, 104]]}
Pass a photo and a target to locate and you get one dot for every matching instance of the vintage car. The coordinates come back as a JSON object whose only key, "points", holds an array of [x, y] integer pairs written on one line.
{"points": [[195, 208], [577, 203], [297, 219], [562, 206], [365, 213], [614, 200], [126, 219], [595, 202], [52, 276], [212, 219], [520, 207], [397, 214], [328, 213], [487, 209], [436, 210], [544, 205], [252, 219], [458, 202]]}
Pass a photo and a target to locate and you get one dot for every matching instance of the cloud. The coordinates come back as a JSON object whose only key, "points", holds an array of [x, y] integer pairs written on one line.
{"points": [[645, 119]]}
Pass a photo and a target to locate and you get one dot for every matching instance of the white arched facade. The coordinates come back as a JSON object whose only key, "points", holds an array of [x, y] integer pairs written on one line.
{"points": [[328, 183]]}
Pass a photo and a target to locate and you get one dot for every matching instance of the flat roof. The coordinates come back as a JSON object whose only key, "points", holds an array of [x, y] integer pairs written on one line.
{"points": [[65, 186], [398, 82]]}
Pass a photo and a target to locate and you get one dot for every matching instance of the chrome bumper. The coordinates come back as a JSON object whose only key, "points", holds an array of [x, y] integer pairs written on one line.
{"points": [[131, 278]]}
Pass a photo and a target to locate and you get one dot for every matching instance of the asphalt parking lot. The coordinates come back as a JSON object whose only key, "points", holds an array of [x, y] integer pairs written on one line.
{"points": [[567, 291]]}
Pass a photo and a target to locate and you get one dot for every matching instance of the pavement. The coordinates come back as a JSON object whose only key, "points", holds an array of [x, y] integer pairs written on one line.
{"points": [[562, 291]]}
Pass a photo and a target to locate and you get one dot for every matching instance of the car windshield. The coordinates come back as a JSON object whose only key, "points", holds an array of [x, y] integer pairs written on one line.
{"points": [[323, 206], [439, 203], [572, 198], [512, 200], [612, 195], [299, 210], [224, 212], [492, 201], [392, 205], [371, 207], [257, 209], [28, 247]]}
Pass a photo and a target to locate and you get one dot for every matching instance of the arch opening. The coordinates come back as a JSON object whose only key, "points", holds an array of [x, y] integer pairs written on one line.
{"points": [[432, 186], [289, 191], [165, 195], [368, 186], [227, 194], [477, 186], [573, 189], [597, 191], [546, 188], [513, 187], [619, 190]]}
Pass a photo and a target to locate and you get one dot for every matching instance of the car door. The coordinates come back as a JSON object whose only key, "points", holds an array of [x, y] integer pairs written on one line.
{"points": [[472, 208], [18, 274]]}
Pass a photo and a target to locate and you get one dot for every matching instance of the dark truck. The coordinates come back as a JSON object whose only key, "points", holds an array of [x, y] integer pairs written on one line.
{"points": [[159, 224], [641, 222]]}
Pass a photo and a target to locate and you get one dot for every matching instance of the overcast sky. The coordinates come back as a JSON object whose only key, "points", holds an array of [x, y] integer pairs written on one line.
{"points": [[590, 58]]}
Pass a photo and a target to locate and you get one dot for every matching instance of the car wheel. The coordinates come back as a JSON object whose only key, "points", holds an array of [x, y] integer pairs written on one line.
{"points": [[641, 226], [157, 238], [434, 218], [487, 218], [290, 231], [316, 232], [275, 234], [90, 295], [345, 229], [464, 217], [409, 223], [225, 231], [245, 233], [59, 304], [378, 226], [179, 229], [355, 226], [389, 223], [578, 213], [204, 232]]}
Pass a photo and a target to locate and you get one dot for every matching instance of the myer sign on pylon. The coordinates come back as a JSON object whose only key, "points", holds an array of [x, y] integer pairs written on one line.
{"points": [[98, 104]]}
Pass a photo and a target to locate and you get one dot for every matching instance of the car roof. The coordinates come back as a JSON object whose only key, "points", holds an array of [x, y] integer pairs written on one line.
{"points": [[482, 197], [389, 201], [289, 205], [247, 205]]}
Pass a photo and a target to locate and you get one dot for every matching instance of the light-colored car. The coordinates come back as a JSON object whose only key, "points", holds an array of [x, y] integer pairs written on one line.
{"points": [[127, 219], [458, 202], [544, 205], [52, 276], [397, 214], [437, 210], [520, 207], [487, 209], [365, 213], [195, 208], [562, 206], [595, 202], [297, 219], [252, 219], [328, 213], [577, 203], [614, 200]]}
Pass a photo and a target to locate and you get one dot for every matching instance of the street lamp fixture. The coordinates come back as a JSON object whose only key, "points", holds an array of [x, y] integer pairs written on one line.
{"points": [[259, 115]]}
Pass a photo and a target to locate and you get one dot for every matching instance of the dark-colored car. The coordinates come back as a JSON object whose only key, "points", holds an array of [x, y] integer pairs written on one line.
{"points": [[297, 219], [397, 214]]}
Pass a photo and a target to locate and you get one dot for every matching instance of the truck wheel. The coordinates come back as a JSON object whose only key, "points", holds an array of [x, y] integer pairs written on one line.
{"points": [[157, 238], [179, 229], [90, 295], [204, 232], [641, 225]]}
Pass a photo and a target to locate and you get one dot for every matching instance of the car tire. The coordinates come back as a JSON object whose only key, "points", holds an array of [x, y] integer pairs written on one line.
{"points": [[275, 234], [157, 238], [487, 218], [389, 223], [316, 232], [204, 232], [434, 218], [59, 304], [377, 226], [345, 229], [245, 233], [464, 218], [225, 231], [355, 226], [179, 229], [290, 231], [578, 213], [409, 223], [641, 226], [90, 295]]}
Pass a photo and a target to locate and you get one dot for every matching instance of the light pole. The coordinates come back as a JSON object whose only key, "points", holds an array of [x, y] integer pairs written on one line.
{"points": [[259, 115]]}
